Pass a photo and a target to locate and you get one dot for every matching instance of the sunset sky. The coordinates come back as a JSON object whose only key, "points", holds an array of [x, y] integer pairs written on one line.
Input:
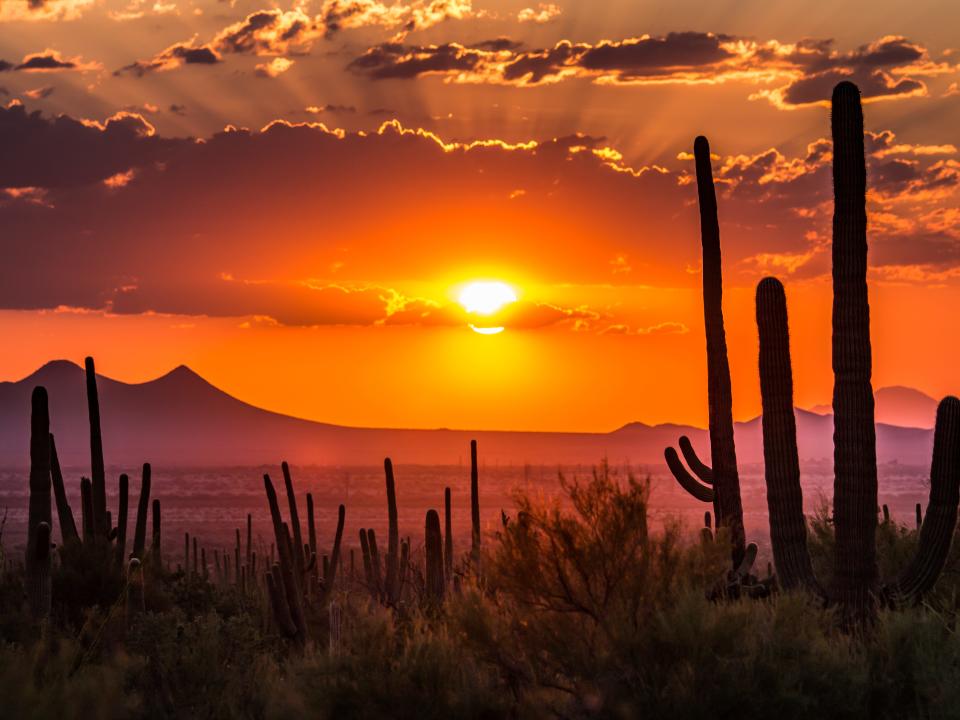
{"points": [[290, 198]]}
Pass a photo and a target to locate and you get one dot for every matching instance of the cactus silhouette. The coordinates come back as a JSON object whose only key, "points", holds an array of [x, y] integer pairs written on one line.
{"points": [[97, 470], [447, 535], [121, 548], [719, 484], [856, 587], [433, 547], [37, 562], [68, 526], [788, 529], [330, 572], [143, 507], [299, 560], [285, 594], [474, 507], [393, 536]]}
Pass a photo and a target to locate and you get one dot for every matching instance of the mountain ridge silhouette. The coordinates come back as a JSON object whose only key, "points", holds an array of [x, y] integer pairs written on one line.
{"points": [[181, 419]]}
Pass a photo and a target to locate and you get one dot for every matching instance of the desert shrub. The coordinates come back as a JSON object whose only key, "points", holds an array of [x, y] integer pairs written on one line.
{"points": [[412, 665]]}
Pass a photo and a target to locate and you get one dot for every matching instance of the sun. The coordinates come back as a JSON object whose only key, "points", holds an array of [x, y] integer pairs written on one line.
{"points": [[486, 298]]}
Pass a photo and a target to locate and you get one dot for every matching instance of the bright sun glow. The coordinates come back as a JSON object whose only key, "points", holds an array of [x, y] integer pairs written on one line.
{"points": [[486, 298]]}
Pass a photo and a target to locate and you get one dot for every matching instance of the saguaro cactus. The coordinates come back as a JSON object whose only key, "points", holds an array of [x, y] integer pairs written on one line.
{"points": [[393, 536], [300, 562], [121, 548], [856, 586], [284, 576], [330, 572], [98, 473], [433, 548], [474, 506], [447, 535], [39, 510], [143, 507], [855, 453], [68, 526], [788, 526], [938, 526], [86, 508], [724, 476]]}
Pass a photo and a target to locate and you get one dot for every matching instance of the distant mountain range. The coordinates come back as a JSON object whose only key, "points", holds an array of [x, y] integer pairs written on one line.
{"points": [[898, 405], [180, 420]]}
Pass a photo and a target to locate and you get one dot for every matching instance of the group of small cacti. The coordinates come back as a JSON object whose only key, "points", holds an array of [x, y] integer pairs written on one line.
{"points": [[293, 579], [100, 548], [297, 580], [857, 589]]}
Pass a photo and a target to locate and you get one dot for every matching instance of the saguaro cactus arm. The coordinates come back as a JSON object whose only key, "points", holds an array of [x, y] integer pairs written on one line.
{"points": [[688, 482], [697, 467]]}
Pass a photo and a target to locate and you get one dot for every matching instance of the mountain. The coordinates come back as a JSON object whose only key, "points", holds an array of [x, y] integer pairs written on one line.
{"points": [[898, 405], [906, 406], [181, 420]]}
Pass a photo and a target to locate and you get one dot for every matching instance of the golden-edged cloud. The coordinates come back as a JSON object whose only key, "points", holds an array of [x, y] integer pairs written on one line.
{"points": [[791, 74]]}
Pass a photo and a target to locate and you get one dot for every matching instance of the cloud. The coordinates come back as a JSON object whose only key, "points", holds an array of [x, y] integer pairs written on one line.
{"points": [[48, 61], [110, 216], [668, 327], [42, 10], [276, 32], [40, 93], [274, 68], [173, 57], [790, 75], [331, 108], [543, 13], [64, 152], [404, 17]]}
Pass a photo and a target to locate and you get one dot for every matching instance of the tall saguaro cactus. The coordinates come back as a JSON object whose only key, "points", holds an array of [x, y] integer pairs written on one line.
{"points": [[856, 588], [97, 470], [37, 561], [854, 433], [723, 476]]}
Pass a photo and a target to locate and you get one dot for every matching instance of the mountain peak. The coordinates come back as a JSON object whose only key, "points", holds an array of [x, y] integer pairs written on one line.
{"points": [[53, 371]]}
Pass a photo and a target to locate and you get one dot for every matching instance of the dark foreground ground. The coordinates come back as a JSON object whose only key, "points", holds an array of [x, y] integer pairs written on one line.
{"points": [[580, 608]]}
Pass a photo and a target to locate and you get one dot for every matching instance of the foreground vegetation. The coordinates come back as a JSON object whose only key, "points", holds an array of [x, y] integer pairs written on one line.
{"points": [[580, 613]]}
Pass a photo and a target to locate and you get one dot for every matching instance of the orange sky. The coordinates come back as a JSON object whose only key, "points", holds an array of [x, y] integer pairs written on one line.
{"points": [[288, 198]]}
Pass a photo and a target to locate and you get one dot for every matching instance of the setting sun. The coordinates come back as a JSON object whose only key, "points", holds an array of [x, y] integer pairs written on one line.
{"points": [[486, 298]]}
